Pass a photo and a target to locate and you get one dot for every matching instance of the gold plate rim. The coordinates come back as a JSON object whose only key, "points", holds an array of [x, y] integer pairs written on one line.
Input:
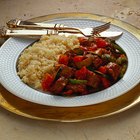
{"points": [[73, 114]]}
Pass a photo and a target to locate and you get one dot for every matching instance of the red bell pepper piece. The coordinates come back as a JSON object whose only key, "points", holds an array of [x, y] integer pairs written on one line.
{"points": [[63, 59], [103, 69], [101, 43], [92, 47], [47, 81], [81, 74], [78, 58], [106, 83]]}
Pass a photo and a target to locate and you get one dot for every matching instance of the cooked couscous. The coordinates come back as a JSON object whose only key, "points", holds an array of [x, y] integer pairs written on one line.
{"points": [[40, 58]]}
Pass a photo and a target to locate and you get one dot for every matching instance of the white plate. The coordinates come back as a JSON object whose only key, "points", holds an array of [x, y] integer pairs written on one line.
{"points": [[11, 49]]}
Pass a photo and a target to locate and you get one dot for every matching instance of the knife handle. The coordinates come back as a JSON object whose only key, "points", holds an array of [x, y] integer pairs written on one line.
{"points": [[30, 32], [16, 23]]}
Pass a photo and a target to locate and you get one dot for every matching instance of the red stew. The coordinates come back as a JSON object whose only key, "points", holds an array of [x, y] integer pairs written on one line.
{"points": [[95, 65]]}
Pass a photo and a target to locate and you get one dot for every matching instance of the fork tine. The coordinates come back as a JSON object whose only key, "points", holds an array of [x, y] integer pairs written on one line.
{"points": [[101, 28], [104, 26]]}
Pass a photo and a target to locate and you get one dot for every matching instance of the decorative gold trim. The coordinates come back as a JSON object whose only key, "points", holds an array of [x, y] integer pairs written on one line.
{"points": [[73, 114]]}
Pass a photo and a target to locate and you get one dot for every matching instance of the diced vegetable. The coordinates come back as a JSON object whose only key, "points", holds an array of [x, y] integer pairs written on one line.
{"points": [[57, 74], [47, 81], [122, 59], [78, 58], [101, 43], [115, 46], [106, 83], [86, 62], [75, 81], [78, 51], [92, 47], [81, 74], [108, 58], [63, 59], [103, 69], [123, 70]]}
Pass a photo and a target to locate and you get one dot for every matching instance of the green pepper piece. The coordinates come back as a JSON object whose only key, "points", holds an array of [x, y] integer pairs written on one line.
{"points": [[78, 51], [101, 74], [76, 81], [122, 59], [57, 75], [108, 57], [86, 62], [123, 70], [116, 46]]}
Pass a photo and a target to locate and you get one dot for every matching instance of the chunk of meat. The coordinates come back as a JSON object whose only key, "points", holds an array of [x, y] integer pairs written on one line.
{"points": [[101, 51], [59, 85], [84, 41], [113, 70], [67, 72], [77, 88], [93, 79], [97, 61]]}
